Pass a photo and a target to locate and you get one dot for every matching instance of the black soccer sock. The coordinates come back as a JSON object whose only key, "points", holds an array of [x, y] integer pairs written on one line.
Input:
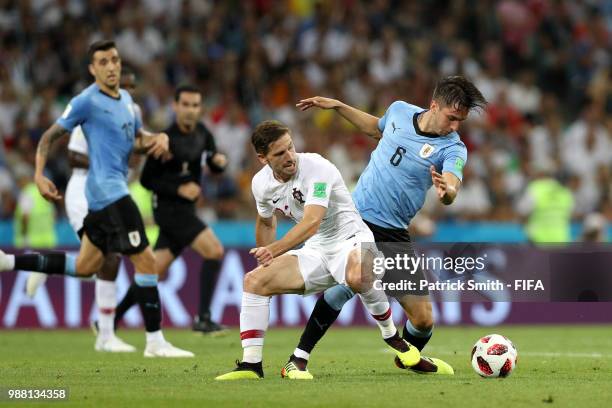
{"points": [[208, 280], [300, 363], [150, 306], [52, 263], [323, 316], [417, 341], [126, 303]]}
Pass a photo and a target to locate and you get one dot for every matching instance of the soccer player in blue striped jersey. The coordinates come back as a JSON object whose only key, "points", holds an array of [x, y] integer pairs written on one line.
{"points": [[417, 148], [113, 223]]}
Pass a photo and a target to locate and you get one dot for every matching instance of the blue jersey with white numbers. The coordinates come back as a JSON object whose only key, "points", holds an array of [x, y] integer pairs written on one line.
{"points": [[392, 188], [110, 125]]}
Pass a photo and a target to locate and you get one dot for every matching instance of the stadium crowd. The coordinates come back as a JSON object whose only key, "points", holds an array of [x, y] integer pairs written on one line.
{"points": [[544, 66]]}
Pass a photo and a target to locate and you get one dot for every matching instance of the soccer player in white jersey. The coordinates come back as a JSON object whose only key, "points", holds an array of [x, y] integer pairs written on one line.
{"points": [[308, 189]]}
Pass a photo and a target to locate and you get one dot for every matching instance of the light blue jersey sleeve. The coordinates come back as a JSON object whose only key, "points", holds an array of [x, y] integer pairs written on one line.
{"points": [[382, 122], [455, 157], [75, 113]]}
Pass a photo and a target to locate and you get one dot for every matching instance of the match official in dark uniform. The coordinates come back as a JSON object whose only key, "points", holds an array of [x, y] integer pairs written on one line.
{"points": [[175, 182]]}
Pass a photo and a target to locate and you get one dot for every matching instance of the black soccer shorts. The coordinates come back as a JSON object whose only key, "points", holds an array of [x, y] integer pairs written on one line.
{"points": [[117, 227], [178, 227]]}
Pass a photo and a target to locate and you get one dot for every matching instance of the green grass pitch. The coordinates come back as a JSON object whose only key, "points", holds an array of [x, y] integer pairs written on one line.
{"points": [[557, 366]]}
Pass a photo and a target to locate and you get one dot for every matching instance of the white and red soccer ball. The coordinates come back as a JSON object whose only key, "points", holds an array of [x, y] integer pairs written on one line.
{"points": [[494, 356]]}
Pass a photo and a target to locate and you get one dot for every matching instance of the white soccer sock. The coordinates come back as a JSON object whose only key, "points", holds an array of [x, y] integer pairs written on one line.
{"points": [[299, 353], [155, 337], [106, 299], [378, 305], [254, 317]]}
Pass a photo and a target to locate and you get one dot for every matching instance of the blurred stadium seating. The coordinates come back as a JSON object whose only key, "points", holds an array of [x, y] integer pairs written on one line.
{"points": [[544, 66]]}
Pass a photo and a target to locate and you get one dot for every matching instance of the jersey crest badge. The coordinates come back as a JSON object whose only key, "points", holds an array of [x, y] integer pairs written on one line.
{"points": [[298, 195], [426, 150], [134, 237]]}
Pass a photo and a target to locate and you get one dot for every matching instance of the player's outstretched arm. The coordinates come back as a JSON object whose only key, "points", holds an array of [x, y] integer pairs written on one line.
{"points": [[45, 186], [446, 184], [365, 122]]}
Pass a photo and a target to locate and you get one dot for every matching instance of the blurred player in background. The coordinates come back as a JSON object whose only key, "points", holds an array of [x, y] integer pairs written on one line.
{"points": [[547, 206], [34, 218], [310, 190], [175, 182], [417, 148], [113, 224], [76, 209]]}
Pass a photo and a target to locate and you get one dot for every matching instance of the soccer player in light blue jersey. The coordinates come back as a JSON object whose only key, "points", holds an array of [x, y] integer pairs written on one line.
{"points": [[113, 224], [417, 148]]}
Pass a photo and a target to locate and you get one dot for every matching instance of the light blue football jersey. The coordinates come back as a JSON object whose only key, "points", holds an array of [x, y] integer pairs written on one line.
{"points": [[393, 186], [110, 125]]}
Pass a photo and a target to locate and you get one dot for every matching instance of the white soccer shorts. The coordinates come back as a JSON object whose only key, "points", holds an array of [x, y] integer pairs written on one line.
{"points": [[325, 266]]}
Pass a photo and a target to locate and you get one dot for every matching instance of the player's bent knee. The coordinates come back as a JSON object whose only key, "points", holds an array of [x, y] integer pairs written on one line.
{"points": [[353, 279], [253, 284]]}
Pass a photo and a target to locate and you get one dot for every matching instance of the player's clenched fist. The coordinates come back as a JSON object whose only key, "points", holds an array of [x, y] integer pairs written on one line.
{"points": [[317, 101], [263, 255]]}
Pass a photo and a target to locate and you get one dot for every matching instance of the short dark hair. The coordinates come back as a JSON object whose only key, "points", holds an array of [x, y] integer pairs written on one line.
{"points": [[189, 88], [102, 45], [458, 92], [266, 133]]}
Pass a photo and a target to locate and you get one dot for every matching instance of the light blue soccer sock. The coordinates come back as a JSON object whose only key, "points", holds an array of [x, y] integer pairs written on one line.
{"points": [[337, 296], [145, 279], [70, 265]]}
